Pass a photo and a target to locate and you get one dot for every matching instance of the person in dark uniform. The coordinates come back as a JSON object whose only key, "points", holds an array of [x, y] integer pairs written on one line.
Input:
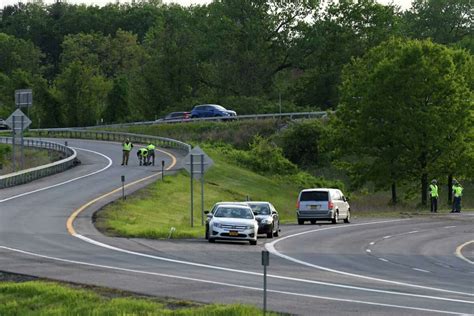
{"points": [[126, 149], [434, 194], [142, 154]]}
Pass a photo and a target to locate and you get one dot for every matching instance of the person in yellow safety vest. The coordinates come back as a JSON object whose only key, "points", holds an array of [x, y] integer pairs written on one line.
{"points": [[434, 194], [142, 153], [126, 148], [457, 193], [151, 154]]}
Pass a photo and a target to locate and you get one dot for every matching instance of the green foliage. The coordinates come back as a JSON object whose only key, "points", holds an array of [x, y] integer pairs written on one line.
{"points": [[4, 151], [301, 142], [263, 157], [48, 298], [406, 109]]}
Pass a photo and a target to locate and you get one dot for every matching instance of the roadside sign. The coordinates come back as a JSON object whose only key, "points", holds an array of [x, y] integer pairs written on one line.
{"points": [[265, 258], [18, 120], [201, 162], [23, 98]]}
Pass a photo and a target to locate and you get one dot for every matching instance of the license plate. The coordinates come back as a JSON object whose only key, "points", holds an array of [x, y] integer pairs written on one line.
{"points": [[314, 207], [233, 233]]}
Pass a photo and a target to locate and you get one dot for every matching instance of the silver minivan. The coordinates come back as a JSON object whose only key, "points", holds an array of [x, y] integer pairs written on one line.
{"points": [[322, 204]]}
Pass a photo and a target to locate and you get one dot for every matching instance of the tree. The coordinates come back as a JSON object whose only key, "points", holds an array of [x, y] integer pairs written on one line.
{"points": [[406, 106]]}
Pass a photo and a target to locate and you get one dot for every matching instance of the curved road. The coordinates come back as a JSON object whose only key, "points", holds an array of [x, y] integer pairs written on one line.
{"points": [[377, 267]]}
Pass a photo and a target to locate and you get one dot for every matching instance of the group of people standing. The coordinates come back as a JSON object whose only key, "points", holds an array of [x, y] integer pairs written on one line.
{"points": [[145, 155], [457, 195]]}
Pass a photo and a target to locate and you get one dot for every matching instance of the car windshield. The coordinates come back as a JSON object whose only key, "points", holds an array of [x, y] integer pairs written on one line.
{"points": [[260, 209], [234, 212]]}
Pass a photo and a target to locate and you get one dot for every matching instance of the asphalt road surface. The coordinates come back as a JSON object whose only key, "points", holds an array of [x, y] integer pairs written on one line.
{"points": [[421, 266]]}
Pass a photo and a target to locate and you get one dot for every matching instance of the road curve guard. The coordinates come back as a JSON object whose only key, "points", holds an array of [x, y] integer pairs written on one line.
{"points": [[111, 136], [27, 175]]}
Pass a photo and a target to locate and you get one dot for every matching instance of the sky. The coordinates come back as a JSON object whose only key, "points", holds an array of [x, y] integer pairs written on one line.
{"points": [[404, 4]]}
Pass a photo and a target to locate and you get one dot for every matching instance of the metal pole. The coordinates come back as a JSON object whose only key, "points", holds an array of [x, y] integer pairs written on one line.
{"points": [[21, 144], [192, 196], [202, 190], [123, 187], [162, 170], [264, 290], [13, 143]]}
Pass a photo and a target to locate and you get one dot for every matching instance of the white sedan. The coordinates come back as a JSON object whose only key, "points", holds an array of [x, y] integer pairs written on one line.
{"points": [[233, 222]]}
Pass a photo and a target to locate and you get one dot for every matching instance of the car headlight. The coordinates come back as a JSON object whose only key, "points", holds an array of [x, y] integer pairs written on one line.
{"points": [[217, 225], [250, 226], [267, 221]]}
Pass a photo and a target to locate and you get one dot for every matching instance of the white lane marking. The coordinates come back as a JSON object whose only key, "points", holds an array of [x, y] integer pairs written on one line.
{"points": [[207, 266], [412, 232], [230, 284], [368, 250], [382, 259], [449, 226], [271, 248], [459, 254], [421, 270], [65, 182], [372, 243], [387, 237]]}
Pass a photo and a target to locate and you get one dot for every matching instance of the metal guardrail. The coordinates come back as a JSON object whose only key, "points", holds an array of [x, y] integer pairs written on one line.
{"points": [[291, 116], [111, 136], [31, 174]]}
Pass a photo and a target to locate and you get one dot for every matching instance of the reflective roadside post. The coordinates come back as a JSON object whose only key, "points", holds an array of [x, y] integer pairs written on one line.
{"points": [[265, 263], [162, 170], [123, 187]]}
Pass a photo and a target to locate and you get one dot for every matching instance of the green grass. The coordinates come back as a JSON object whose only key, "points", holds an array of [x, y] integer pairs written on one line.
{"points": [[50, 298], [32, 158], [152, 212]]}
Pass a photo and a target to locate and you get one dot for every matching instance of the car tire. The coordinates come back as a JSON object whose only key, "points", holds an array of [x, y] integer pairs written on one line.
{"points": [[313, 221], [212, 240], [277, 231], [253, 242], [270, 234], [335, 218], [300, 222], [348, 218]]}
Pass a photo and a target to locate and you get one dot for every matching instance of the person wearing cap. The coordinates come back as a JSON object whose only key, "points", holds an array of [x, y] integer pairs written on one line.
{"points": [[151, 154], [142, 154], [457, 193], [434, 194], [126, 148]]}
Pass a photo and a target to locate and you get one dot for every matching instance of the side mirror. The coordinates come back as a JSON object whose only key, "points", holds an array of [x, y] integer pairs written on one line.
{"points": [[346, 199], [255, 213], [206, 212]]}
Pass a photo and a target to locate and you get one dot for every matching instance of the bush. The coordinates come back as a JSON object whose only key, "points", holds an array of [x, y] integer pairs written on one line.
{"points": [[301, 142], [263, 157], [4, 151]]}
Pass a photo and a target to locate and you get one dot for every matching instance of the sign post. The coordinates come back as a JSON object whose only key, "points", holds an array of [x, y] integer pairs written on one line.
{"points": [[265, 263], [197, 168], [123, 187], [18, 122]]}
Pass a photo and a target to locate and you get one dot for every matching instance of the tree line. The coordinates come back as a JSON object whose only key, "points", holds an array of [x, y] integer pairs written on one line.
{"points": [[400, 82]]}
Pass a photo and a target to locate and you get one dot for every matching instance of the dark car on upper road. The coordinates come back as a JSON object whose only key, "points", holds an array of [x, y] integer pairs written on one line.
{"points": [[267, 218], [175, 116], [211, 110]]}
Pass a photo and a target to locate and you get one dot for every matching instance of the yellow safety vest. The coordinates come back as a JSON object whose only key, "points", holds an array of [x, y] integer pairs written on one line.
{"points": [[127, 146], [434, 190], [150, 147], [457, 189]]}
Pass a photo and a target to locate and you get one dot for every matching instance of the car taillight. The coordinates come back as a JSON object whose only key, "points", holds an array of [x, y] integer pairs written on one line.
{"points": [[330, 205], [298, 204]]}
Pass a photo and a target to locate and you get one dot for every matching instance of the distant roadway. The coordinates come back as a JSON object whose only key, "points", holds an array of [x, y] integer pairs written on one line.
{"points": [[417, 266]]}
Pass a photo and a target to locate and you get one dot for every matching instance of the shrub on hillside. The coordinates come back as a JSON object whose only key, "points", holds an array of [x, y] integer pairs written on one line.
{"points": [[4, 151], [301, 142]]}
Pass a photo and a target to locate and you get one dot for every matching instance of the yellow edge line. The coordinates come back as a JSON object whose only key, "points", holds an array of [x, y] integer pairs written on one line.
{"points": [[459, 251], [70, 220]]}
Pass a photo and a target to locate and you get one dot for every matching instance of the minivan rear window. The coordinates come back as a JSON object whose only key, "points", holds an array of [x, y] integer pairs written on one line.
{"points": [[314, 196]]}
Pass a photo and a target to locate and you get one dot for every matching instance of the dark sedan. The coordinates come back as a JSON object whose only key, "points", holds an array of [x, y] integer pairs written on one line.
{"points": [[267, 218], [211, 110]]}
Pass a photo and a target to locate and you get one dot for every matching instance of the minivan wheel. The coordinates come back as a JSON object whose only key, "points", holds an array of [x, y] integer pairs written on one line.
{"points": [[300, 222], [348, 218], [313, 221], [336, 218]]}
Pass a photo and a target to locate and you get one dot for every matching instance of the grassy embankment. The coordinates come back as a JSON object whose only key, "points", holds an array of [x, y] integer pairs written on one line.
{"points": [[153, 211], [51, 298], [33, 158]]}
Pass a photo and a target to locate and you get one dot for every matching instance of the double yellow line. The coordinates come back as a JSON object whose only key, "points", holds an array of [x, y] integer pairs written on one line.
{"points": [[73, 216]]}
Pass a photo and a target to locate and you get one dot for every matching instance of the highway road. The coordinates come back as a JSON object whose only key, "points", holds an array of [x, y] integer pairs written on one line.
{"points": [[418, 266]]}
